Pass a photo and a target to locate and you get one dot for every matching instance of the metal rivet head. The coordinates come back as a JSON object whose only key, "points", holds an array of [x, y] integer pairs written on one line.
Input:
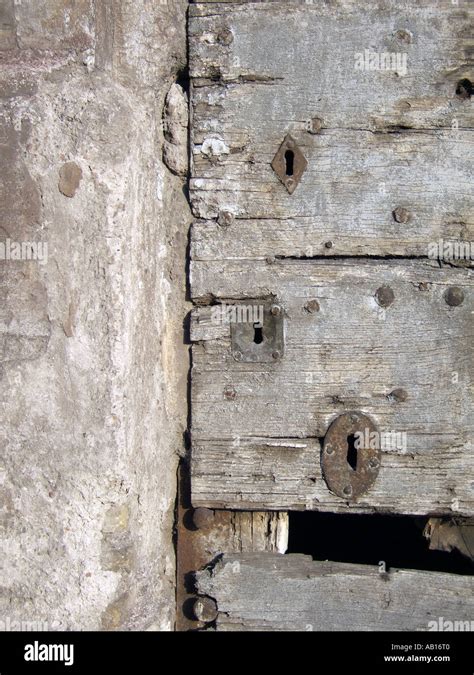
{"points": [[384, 296], [329, 244], [275, 310], [401, 215], [329, 449], [203, 518], [229, 393], [225, 37], [354, 419], [205, 610], [398, 395], [404, 36], [270, 260], [374, 463], [454, 296], [238, 356], [225, 219], [314, 125], [347, 491], [276, 355], [312, 306]]}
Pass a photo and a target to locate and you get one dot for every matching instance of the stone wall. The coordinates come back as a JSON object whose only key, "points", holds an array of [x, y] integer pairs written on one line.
{"points": [[93, 370]]}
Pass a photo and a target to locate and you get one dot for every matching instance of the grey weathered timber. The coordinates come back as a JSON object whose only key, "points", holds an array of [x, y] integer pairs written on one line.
{"points": [[273, 592], [388, 139], [389, 173], [260, 446]]}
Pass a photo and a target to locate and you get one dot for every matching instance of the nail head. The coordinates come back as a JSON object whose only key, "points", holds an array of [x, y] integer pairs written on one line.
{"points": [[454, 296], [384, 296]]}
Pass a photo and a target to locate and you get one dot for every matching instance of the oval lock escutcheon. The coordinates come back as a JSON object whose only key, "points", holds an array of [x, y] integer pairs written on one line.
{"points": [[351, 455]]}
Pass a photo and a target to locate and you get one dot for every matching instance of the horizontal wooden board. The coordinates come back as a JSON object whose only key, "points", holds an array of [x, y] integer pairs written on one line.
{"points": [[257, 426], [262, 70], [272, 592]]}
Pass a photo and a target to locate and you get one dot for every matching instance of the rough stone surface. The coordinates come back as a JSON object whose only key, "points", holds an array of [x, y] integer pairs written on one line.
{"points": [[93, 363], [175, 124]]}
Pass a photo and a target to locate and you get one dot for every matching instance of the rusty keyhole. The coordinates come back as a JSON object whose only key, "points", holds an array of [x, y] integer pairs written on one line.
{"points": [[351, 455]]}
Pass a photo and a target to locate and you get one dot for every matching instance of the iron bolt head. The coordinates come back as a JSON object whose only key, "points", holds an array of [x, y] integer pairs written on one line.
{"points": [[329, 449], [276, 310], [202, 518], [373, 463], [229, 393], [329, 244], [314, 125], [401, 215], [348, 490], [454, 296], [205, 610], [226, 218], [404, 35], [312, 306], [384, 296], [225, 37], [398, 395], [276, 355], [238, 356]]}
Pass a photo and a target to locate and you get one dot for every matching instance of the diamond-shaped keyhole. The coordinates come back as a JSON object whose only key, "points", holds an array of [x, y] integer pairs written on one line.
{"points": [[289, 164]]}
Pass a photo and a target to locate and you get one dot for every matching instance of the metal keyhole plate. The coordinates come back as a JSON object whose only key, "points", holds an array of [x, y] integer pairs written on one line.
{"points": [[351, 455], [289, 164]]}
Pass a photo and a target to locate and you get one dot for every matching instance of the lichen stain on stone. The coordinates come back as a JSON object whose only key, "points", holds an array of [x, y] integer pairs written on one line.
{"points": [[70, 175]]}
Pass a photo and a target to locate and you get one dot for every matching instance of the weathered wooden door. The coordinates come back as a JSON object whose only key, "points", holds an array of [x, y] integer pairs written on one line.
{"points": [[331, 258]]}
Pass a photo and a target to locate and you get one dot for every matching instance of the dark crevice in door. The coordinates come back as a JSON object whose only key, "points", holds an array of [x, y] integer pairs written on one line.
{"points": [[369, 539]]}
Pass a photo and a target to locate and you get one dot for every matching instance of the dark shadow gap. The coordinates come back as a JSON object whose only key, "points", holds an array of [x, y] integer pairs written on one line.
{"points": [[369, 539]]}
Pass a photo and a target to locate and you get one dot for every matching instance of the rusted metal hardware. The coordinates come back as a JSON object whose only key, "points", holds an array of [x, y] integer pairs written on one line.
{"points": [[259, 341], [314, 125], [205, 609], [401, 215], [202, 535], [289, 164], [312, 306], [454, 296], [351, 455], [384, 296]]}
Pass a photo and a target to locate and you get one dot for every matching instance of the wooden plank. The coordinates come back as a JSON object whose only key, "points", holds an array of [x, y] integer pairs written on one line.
{"points": [[386, 141], [256, 427], [272, 592]]}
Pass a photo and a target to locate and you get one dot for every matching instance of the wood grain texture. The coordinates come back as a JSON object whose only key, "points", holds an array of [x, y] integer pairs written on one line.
{"points": [[272, 592], [262, 70], [388, 139], [260, 448]]}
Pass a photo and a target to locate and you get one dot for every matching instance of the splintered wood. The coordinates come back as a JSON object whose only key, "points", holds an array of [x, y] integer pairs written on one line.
{"points": [[271, 592], [377, 317]]}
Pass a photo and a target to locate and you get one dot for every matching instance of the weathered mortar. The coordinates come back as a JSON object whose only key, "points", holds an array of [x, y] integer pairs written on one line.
{"points": [[94, 368]]}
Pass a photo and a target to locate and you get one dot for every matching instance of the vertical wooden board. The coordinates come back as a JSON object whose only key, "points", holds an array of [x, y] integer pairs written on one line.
{"points": [[272, 592]]}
